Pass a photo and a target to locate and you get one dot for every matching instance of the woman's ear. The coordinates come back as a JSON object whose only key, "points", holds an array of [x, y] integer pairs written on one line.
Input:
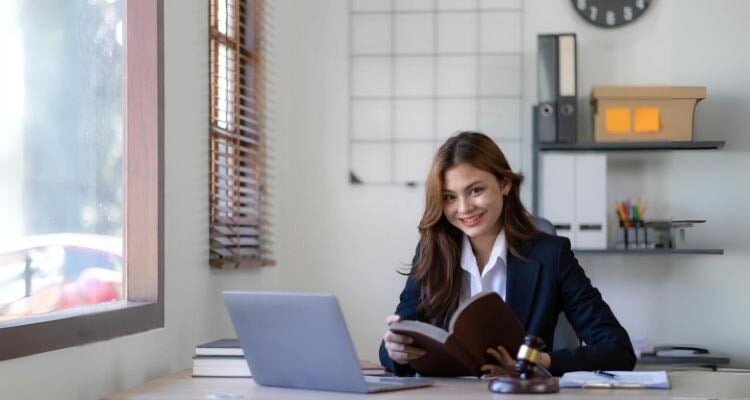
{"points": [[505, 186]]}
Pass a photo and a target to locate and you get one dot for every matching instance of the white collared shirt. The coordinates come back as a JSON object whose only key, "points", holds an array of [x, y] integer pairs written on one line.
{"points": [[494, 274]]}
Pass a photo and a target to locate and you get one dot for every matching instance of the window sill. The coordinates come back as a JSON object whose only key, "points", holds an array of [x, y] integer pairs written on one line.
{"points": [[75, 327], [73, 312]]}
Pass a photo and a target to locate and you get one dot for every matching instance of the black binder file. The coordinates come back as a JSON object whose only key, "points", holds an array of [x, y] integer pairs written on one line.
{"points": [[546, 111], [567, 99], [556, 114]]}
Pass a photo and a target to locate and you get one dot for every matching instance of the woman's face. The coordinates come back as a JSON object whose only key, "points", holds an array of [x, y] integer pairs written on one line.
{"points": [[473, 200]]}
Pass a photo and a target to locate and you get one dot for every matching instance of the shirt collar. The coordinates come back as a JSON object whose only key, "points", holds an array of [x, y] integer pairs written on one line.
{"points": [[499, 250]]}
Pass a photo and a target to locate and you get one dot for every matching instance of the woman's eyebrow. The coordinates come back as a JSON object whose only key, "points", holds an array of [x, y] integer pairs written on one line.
{"points": [[467, 187], [471, 185]]}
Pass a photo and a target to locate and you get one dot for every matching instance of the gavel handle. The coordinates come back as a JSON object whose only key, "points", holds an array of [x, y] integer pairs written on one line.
{"points": [[544, 371]]}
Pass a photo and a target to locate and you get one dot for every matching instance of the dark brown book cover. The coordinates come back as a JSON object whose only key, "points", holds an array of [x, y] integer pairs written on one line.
{"points": [[483, 321]]}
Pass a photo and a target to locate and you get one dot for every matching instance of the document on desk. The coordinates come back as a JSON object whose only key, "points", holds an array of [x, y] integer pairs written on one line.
{"points": [[616, 379]]}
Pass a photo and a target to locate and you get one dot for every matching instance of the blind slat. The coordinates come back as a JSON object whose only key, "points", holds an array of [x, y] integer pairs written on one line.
{"points": [[245, 202], [229, 241], [235, 230], [242, 252], [250, 137], [225, 182], [236, 221], [240, 210], [240, 106], [235, 169], [229, 137]]}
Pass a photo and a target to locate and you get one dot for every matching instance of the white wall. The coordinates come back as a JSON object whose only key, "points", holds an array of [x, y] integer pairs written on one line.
{"points": [[350, 240]]}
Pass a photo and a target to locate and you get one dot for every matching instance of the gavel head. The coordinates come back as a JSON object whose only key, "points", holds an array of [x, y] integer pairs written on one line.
{"points": [[528, 356]]}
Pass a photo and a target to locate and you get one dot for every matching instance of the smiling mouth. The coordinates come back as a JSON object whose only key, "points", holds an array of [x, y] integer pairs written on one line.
{"points": [[472, 220]]}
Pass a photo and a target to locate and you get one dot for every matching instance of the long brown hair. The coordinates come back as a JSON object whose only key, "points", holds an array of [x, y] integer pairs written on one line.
{"points": [[437, 270]]}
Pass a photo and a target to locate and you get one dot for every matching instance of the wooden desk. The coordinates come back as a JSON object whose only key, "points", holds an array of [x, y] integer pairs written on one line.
{"points": [[180, 385]]}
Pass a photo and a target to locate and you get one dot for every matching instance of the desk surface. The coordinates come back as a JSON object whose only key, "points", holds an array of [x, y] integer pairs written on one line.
{"points": [[180, 385]]}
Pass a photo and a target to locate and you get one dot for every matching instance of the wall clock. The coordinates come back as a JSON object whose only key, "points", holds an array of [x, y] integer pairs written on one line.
{"points": [[610, 13]]}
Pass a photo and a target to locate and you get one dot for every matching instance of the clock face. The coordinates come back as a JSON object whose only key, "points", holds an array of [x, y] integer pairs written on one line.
{"points": [[610, 13]]}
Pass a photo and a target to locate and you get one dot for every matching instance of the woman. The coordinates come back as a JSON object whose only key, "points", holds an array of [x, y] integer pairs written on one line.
{"points": [[475, 235]]}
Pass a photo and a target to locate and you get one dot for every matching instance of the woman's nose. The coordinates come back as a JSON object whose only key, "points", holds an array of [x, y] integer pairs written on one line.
{"points": [[464, 205]]}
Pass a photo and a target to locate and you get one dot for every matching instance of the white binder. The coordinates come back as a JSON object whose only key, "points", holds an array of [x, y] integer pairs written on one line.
{"points": [[574, 197], [558, 193], [591, 202]]}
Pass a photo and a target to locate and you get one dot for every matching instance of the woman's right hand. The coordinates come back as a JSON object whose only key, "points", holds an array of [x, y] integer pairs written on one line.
{"points": [[399, 346]]}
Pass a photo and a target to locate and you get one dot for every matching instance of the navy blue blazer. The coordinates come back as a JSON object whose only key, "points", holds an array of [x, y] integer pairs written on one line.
{"points": [[540, 289]]}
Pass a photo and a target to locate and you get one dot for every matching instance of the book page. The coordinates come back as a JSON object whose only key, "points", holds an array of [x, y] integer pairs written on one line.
{"points": [[485, 321]]}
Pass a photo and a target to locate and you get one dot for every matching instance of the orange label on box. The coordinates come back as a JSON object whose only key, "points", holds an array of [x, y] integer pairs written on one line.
{"points": [[646, 120], [617, 120]]}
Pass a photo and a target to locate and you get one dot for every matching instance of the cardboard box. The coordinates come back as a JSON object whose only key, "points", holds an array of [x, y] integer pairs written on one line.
{"points": [[639, 114]]}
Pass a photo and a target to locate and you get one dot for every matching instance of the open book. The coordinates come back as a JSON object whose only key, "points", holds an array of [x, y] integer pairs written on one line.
{"points": [[483, 321]]}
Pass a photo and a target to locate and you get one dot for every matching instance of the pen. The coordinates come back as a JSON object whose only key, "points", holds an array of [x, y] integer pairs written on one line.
{"points": [[605, 374], [624, 215]]}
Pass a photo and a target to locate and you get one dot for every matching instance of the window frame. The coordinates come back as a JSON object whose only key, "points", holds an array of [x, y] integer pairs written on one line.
{"points": [[143, 231]]}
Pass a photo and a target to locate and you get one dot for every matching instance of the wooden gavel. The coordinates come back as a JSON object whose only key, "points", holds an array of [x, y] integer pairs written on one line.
{"points": [[529, 380]]}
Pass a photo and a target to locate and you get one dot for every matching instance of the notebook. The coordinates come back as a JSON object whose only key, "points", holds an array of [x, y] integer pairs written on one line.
{"points": [[621, 379]]}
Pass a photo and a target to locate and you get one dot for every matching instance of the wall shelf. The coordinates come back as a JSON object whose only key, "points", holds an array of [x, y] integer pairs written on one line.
{"points": [[633, 146], [539, 148], [649, 251]]}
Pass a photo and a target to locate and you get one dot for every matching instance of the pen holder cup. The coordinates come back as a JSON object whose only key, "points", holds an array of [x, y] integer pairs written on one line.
{"points": [[634, 235]]}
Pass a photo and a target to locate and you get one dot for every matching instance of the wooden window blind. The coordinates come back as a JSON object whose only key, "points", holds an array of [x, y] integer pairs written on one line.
{"points": [[238, 233]]}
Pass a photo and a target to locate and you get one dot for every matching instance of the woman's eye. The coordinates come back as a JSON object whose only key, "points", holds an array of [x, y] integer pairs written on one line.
{"points": [[448, 197], [477, 190]]}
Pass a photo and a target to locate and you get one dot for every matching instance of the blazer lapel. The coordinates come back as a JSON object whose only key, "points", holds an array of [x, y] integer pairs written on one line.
{"points": [[522, 278]]}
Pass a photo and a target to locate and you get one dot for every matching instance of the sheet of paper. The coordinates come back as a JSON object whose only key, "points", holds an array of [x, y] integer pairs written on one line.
{"points": [[617, 120], [646, 120], [622, 379]]}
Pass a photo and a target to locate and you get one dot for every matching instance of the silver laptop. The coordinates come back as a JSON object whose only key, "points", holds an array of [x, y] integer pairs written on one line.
{"points": [[300, 341]]}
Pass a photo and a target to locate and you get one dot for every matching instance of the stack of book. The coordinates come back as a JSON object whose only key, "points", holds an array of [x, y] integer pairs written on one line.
{"points": [[370, 368], [220, 358], [225, 358]]}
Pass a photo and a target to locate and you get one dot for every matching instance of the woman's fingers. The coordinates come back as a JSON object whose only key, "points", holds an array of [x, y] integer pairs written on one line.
{"points": [[402, 354], [396, 338], [398, 346], [494, 370], [497, 356], [502, 356], [507, 359], [412, 354], [490, 368], [403, 358], [400, 343], [391, 319], [404, 348]]}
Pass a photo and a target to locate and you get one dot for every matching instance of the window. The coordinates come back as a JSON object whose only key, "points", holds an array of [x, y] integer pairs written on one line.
{"points": [[80, 172], [238, 229]]}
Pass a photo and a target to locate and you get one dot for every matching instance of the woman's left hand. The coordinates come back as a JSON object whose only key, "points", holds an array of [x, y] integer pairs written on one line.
{"points": [[505, 363]]}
